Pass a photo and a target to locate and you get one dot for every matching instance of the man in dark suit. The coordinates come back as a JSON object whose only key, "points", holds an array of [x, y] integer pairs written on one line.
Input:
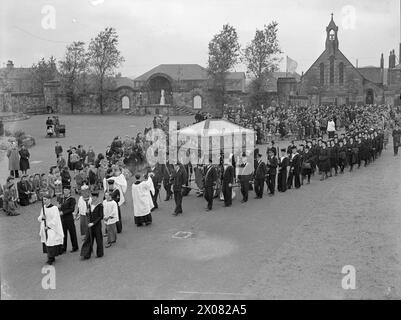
{"points": [[272, 164], [178, 178], [396, 138], [295, 169], [157, 180], [259, 176], [282, 173], [244, 177], [167, 170], [67, 208], [210, 178], [227, 181]]}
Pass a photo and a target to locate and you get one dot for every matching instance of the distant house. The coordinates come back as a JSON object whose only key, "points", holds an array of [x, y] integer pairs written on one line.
{"points": [[14, 79]]}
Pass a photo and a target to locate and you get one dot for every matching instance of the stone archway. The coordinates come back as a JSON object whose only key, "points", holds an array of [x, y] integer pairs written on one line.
{"points": [[156, 84], [370, 97]]}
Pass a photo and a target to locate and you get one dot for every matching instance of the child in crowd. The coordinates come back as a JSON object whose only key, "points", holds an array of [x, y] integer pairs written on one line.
{"points": [[50, 181], [31, 188], [43, 185], [58, 186], [80, 177], [36, 185], [65, 177], [92, 177]]}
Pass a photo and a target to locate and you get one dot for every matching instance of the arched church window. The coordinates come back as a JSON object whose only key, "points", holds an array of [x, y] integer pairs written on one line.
{"points": [[197, 102], [341, 73], [331, 70], [322, 73], [125, 102], [332, 35]]}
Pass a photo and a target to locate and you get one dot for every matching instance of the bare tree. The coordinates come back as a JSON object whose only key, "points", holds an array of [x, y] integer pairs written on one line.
{"points": [[43, 71], [261, 56], [72, 69], [224, 53], [104, 58]]}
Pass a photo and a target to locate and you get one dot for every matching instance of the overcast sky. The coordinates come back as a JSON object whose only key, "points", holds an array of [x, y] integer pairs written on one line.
{"points": [[153, 32]]}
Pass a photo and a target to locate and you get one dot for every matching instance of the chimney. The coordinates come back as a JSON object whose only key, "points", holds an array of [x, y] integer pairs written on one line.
{"points": [[382, 61], [391, 60], [10, 64]]}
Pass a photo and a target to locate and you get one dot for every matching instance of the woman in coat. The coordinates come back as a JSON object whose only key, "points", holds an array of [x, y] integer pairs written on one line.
{"points": [[324, 161], [24, 159], [352, 153], [13, 160]]}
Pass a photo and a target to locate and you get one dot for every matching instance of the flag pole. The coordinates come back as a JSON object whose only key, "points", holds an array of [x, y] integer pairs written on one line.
{"points": [[286, 67]]}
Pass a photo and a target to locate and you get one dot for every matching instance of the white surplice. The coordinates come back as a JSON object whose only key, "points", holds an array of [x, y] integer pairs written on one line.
{"points": [[55, 234], [141, 197]]}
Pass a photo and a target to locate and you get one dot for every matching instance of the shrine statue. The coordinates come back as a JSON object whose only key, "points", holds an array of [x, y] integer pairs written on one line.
{"points": [[162, 98]]}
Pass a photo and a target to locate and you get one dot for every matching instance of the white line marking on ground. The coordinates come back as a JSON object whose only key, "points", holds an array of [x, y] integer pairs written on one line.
{"points": [[217, 293]]}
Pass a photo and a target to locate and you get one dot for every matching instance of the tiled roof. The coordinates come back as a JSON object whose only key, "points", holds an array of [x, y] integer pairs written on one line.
{"points": [[185, 72], [15, 73], [123, 82], [373, 74]]}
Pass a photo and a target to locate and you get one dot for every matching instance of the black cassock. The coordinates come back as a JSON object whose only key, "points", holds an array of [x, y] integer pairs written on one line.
{"points": [[227, 178], [94, 233], [282, 175]]}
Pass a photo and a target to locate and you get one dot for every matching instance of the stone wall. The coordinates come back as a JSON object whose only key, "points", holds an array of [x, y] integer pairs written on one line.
{"points": [[26, 102], [89, 103]]}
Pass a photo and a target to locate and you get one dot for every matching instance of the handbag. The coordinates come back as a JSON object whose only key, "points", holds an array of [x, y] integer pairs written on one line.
{"points": [[306, 165]]}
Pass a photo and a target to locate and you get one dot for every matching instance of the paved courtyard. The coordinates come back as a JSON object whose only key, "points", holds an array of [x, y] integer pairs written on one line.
{"points": [[293, 245]]}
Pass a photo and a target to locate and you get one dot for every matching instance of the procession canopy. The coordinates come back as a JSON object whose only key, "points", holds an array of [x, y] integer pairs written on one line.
{"points": [[212, 138]]}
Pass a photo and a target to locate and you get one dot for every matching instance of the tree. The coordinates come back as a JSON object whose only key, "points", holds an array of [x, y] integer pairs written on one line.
{"points": [[224, 53], [104, 58], [72, 69], [260, 56], [43, 71]]}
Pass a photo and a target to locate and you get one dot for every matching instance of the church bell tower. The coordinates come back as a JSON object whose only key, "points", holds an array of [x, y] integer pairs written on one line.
{"points": [[332, 38]]}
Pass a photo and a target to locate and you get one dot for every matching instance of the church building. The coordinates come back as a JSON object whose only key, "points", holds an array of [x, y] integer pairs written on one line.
{"points": [[333, 79]]}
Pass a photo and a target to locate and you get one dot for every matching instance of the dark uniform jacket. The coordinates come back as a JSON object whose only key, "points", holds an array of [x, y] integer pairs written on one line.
{"points": [[260, 171], [67, 207], [178, 178], [228, 175], [272, 166], [210, 176], [96, 215]]}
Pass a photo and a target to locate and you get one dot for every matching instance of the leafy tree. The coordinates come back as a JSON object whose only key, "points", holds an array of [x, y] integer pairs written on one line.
{"points": [[260, 57], [72, 70], [224, 53], [104, 58], [43, 71]]}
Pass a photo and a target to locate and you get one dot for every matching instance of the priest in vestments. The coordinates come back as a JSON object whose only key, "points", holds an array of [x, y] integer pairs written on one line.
{"points": [[51, 230], [142, 200]]}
